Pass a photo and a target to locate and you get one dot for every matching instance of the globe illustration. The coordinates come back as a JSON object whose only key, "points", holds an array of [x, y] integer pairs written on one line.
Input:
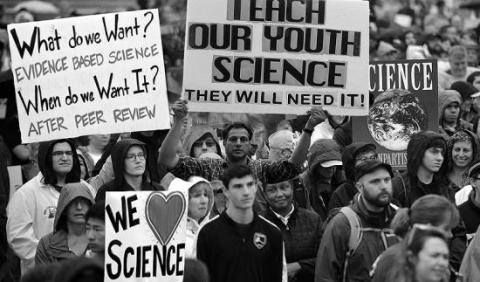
{"points": [[395, 115]]}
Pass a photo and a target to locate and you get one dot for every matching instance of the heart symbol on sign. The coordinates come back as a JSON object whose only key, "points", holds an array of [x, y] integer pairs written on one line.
{"points": [[164, 214]]}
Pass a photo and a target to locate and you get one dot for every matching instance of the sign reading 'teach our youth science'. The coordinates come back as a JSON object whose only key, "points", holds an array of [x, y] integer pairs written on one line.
{"points": [[89, 75], [267, 56], [406, 102], [145, 236]]}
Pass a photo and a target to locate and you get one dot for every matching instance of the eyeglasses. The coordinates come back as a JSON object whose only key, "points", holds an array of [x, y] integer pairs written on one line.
{"points": [[235, 139], [132, 157], [59, 154], [218, 191]]}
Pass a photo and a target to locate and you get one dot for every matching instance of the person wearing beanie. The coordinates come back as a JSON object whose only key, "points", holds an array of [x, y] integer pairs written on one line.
{"points": [[449, 102], [462, 148], [466, 89], [353, 155]]}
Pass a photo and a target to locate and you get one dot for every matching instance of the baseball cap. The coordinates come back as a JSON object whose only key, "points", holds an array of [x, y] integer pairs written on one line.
{"points": [[371, 166]]}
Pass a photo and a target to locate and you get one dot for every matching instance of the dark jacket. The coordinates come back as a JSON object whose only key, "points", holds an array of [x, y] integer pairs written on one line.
{"points": [[301, 237], [320, 190], [54, 246], [119, 152], [406, 187], [252, 253], [334, 245], [45, 162], [470, 213], [343, 195]]}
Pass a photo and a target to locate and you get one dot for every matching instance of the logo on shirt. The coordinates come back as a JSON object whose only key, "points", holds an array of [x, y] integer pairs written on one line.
{"points": [[259, 240], [50, 211]]}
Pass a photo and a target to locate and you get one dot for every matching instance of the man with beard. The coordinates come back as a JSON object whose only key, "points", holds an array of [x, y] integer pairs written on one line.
{"points": [[338, 257]]}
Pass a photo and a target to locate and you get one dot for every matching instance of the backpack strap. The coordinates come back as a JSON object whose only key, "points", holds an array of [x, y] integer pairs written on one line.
{"points": [[355, 236]]}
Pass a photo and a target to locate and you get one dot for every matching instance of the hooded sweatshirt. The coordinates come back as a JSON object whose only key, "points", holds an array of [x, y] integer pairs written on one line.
{"points": [[54, 246], [343, 195], [119, 152], [445, 98], [321, 151], [407, 188], [32, 209], [193, 226], [197, 132]]}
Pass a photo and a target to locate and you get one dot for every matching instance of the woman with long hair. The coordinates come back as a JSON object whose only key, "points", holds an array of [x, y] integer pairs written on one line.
{"points": [[462, 149]]}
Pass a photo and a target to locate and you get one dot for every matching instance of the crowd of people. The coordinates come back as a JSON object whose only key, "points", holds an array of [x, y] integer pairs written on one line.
{"points": [[293, 200]]}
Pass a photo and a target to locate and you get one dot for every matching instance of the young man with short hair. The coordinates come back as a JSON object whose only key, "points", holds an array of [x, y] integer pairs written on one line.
{"points": [[372, 209], [470, 209], [250, 248], [95, 218]]}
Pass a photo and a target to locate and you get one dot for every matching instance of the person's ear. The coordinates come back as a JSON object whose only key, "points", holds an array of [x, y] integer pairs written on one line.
{"points": [[359, 186], [411, 258]]}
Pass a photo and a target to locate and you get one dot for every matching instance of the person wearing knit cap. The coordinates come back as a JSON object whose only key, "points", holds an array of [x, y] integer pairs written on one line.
{"points": [[281, 144], [462, 148], [449, 102], [466, 89]]}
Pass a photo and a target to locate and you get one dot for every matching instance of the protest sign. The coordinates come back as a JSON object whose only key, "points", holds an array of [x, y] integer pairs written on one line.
{"points": [[406, 102], [266, 56], [96, 74], [145, 235]]}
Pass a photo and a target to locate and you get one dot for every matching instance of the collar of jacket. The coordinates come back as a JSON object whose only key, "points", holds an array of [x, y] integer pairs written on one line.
{"points": [[232, 223], [58, 245], [377, 220]]}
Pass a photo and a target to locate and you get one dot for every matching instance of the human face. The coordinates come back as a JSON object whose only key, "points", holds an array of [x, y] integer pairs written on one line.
{"points": [[135, 161], [96, 235], [433, 159], [62, 158], [279, 196], [77, 209], [206, 144], [237, 145], [462, 154], [476, 82], [241, 192], [376, 187], [99, 140], [432, 261], [198, 201], [410, 39], [365, 156], [451, 112], [458, 66]]}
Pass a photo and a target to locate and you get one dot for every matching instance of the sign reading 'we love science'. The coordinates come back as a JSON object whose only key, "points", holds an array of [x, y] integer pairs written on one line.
{"points": [[145, 235]]}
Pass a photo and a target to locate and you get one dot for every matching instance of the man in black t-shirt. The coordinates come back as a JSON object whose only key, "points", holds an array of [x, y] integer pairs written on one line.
{"points": [[250, 247], [470, 210]]}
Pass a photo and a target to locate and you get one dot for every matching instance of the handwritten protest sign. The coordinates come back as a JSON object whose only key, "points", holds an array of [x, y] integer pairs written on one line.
{"points": [[145, 236], [266, 56], [406, 102], [89, 75]]}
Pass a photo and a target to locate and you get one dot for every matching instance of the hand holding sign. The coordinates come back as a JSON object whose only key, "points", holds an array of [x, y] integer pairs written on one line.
{"points": [[317, 116], [180, 109]]}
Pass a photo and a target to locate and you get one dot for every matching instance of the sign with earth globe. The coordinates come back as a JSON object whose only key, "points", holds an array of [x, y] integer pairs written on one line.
{"points": [[403, 101]]}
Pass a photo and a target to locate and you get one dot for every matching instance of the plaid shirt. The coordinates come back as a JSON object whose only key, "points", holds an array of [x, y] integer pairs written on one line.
{"points": [[211, 169]]}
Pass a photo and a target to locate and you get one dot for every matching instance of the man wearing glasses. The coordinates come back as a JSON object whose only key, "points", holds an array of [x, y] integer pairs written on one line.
{"points": [[129, 166], [353, 155], [31, 211], [237, 142]]}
